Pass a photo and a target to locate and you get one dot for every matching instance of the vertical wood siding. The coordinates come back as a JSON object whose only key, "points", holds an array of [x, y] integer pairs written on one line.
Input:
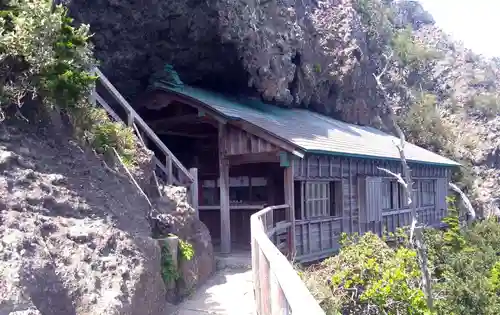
{"points": [[317, 238], [361, 208], [324, 166], [241, 142]]}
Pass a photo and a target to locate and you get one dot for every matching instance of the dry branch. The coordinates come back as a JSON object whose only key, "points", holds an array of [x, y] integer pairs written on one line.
{"points": [[407, 184], [465, 201]]}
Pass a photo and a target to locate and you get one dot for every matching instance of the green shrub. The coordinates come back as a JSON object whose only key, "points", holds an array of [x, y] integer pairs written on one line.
{"points": [[44, 57], [168, 271], [104, 134], [423, 126], [369, 277], [187, 250], [410, 52], [465, 263], [487, 104]]}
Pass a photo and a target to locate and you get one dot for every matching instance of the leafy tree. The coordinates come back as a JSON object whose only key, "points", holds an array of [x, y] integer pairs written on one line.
{"points": [[45, 58]]}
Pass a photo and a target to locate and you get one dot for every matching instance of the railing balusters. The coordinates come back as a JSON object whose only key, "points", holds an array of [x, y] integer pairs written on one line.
{"points": [[144, 133], [133, 117]]}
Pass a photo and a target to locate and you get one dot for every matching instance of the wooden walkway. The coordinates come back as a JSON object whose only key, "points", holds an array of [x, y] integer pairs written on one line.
{"points": [[266, 284], [229, 291]]}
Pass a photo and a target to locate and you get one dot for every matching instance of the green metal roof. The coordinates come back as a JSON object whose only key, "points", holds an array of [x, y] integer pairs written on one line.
{"points": [[310, 131]]}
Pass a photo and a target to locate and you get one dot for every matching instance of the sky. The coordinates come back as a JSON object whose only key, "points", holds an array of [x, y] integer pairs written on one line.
{"points": [[474, 22]]}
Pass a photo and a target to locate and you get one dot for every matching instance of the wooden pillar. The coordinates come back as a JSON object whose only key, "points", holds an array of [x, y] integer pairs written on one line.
{"points": [[290, 200], [168, 166], [225, 217], [194, 190]]}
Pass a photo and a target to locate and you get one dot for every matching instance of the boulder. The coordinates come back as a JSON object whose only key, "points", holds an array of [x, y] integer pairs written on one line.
{"points": [[177, 217]]}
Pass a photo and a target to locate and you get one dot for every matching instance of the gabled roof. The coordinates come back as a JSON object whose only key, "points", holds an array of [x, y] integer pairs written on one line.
{"points": [[309, 131]]}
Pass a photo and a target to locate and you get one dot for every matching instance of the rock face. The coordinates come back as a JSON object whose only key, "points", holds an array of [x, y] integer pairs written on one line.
{"points": [[74, 238], [177, 217], [315, 54], [275, 49], [468, 89]]}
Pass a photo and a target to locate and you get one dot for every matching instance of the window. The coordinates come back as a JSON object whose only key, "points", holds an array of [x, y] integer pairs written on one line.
{"points": [[322, 199], [403, 199], [427, 192], [317, 199], [393, 195], [387, 202]]}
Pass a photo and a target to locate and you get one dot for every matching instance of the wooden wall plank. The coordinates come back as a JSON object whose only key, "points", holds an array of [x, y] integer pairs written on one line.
{"points": [[351, 213], [290, 200], [225, 217], [240, 141], [315, 166]]}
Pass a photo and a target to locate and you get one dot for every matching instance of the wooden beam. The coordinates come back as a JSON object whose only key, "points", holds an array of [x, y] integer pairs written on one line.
{"points": [[171, 95], [157, 105], [290, 200], [166, 123], [263, 157], [225, 218], [182, 134]]}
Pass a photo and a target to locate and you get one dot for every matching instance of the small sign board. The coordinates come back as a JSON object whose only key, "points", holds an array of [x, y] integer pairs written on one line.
{"points": [[284, 160]]}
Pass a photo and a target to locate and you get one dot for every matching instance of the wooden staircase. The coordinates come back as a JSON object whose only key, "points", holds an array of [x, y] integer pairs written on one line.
{"points": [[169, 170]]}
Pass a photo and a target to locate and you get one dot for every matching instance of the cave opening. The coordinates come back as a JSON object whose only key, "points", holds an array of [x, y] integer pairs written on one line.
{"points": [[227, 75]]}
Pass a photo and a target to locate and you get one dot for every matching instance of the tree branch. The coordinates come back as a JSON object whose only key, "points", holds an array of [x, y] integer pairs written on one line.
{"points": [[465, 200], [407, 185]]}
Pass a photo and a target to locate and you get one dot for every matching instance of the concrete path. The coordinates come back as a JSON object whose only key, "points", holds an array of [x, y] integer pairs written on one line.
{"points": [[228, 292]]}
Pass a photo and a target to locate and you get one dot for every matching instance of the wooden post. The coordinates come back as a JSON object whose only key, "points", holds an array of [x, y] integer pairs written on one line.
{"points": [[130, 119], [194, 190], [144, 138], [225, 217], [290, 200], [168, 165]]}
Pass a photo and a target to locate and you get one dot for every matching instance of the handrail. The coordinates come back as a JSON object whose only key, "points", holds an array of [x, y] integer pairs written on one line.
{"points": [[278, 288], [133, 117]]}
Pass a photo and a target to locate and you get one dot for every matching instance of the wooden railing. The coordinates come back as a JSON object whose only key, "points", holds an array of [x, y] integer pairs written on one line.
{"points": [[172, 169], [277, 286]]}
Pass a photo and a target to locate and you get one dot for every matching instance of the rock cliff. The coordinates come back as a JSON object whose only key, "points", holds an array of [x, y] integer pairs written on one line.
{"points": [[315, 54], [76, 237]]}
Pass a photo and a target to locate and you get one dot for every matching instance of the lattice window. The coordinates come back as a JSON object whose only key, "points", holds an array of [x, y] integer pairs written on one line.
{"points": [[387, 199], [317, 199], [403, 200], [427, 192], [393, 195]]}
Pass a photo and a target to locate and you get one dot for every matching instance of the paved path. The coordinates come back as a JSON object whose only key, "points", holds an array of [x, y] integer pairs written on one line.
{"points": [[228, 292]]}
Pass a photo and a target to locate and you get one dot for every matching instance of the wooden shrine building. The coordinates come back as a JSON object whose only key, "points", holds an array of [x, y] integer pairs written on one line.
{"points": [[250, 155]]}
